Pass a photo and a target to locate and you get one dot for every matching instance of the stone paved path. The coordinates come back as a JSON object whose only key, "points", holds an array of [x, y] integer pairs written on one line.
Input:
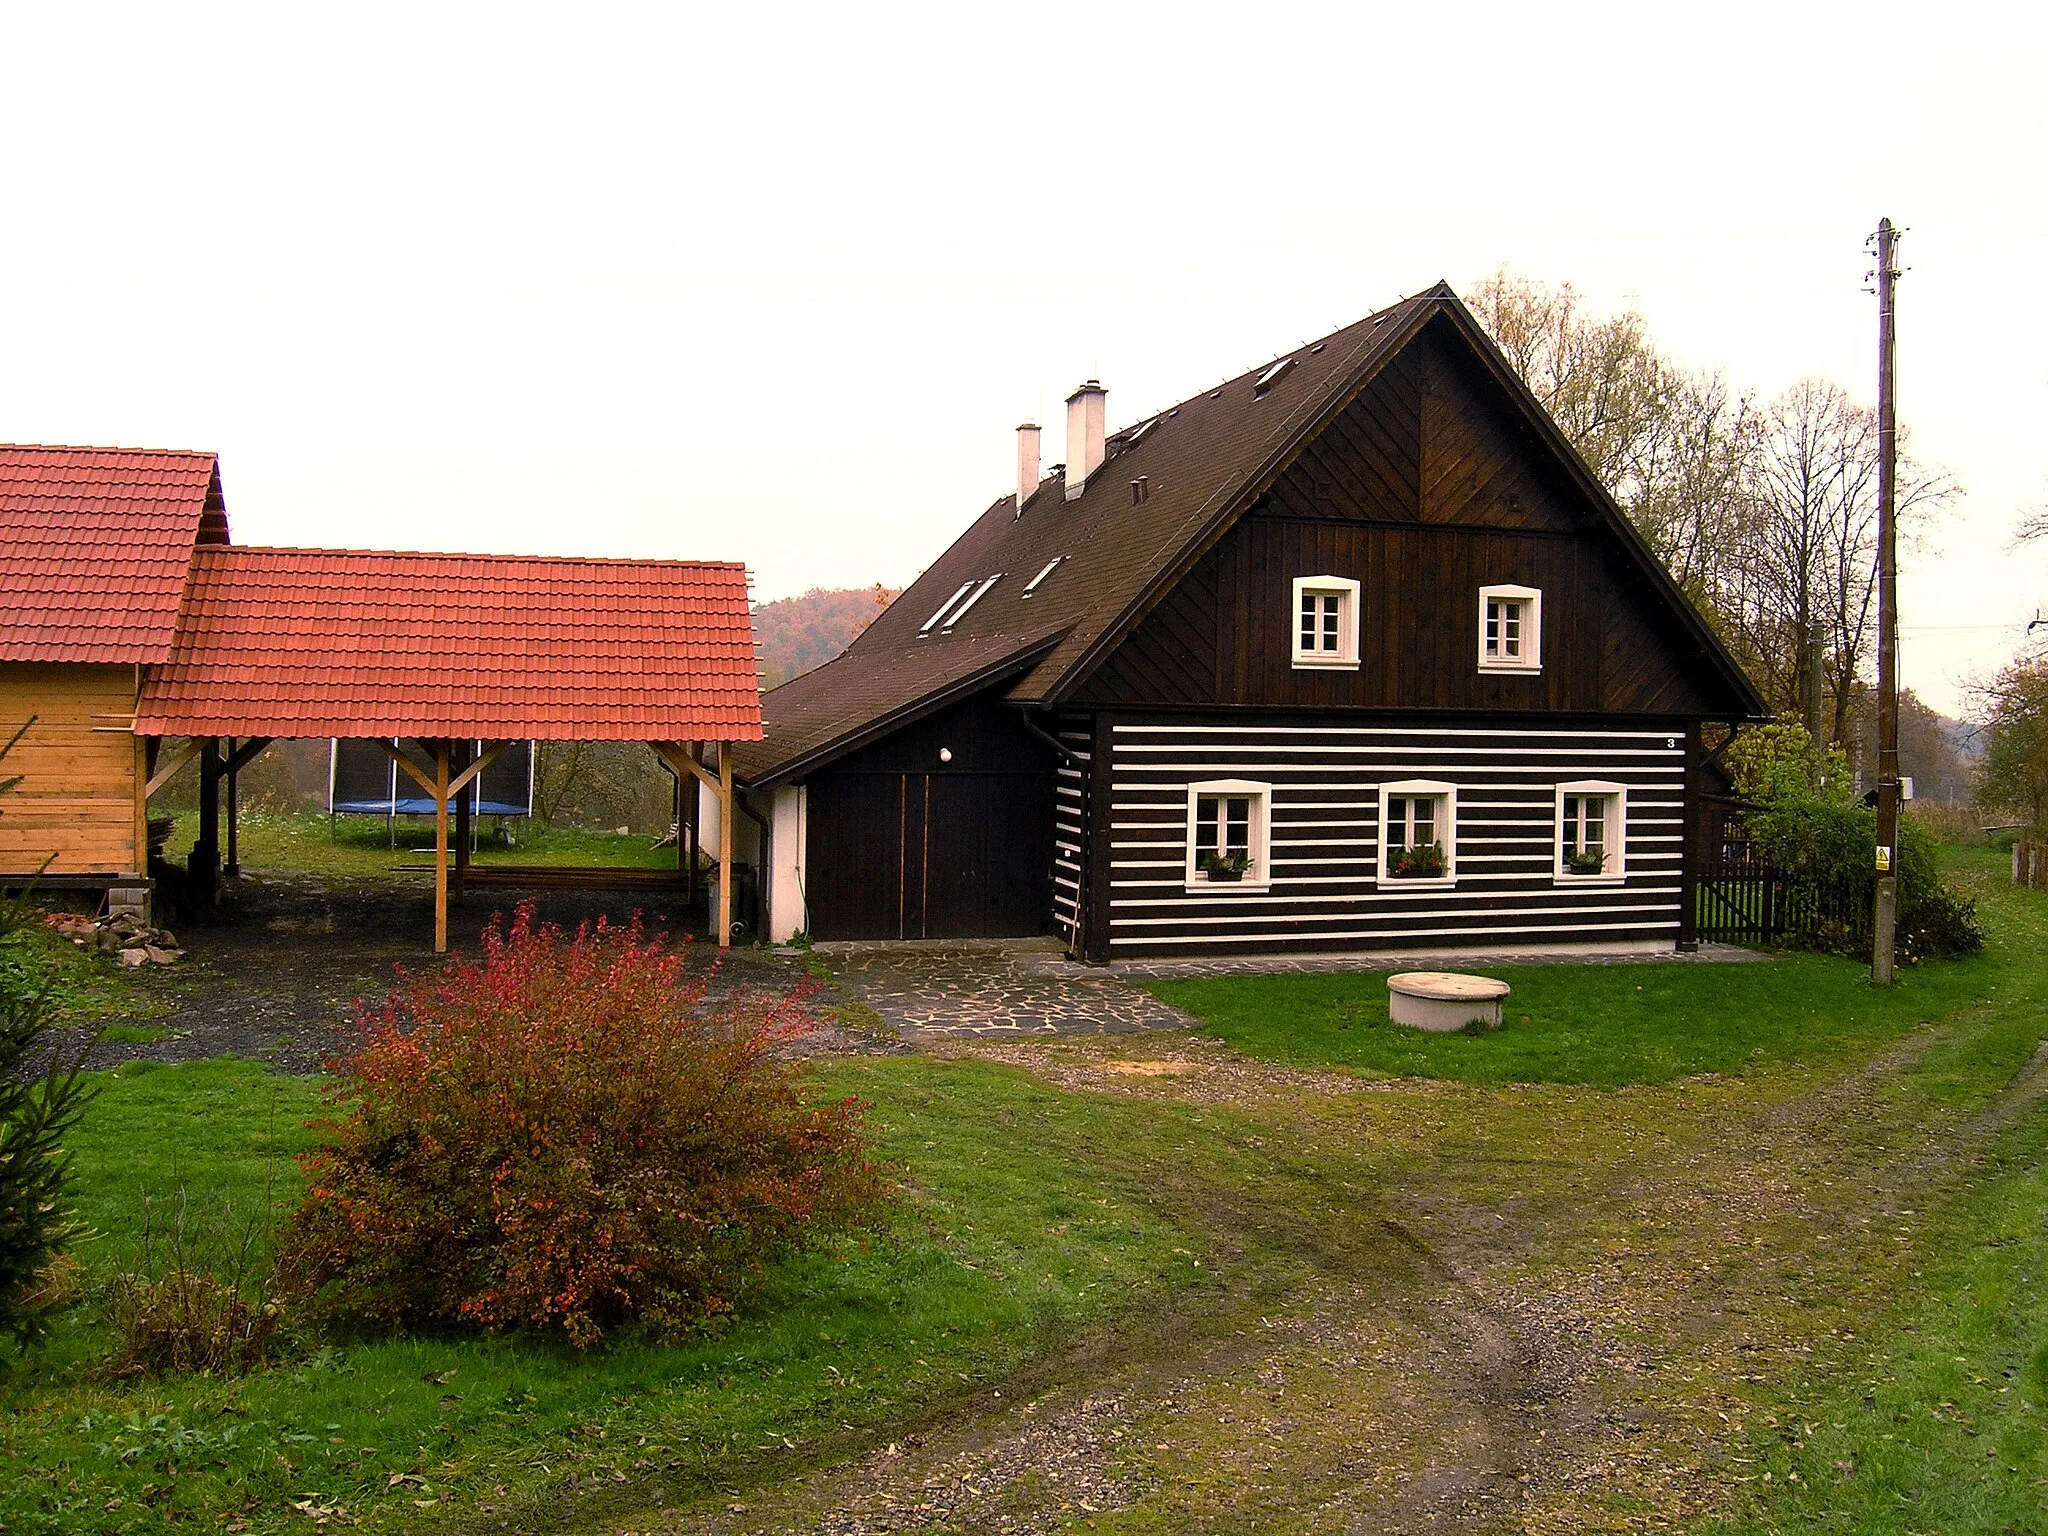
{"points": [[1021, 987], [1003, 988], [1174, 969]]}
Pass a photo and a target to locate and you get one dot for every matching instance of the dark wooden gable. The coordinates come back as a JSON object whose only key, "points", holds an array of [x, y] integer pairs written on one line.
{"points": [[1427, 486]]}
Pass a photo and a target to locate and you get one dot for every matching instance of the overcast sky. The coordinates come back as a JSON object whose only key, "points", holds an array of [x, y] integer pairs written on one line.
{"points": [[775, 284]]}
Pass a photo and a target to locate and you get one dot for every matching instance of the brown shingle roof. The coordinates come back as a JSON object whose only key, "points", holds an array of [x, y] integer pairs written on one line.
{"points": [[94, 546], [1203, 462], [1197, 458]]}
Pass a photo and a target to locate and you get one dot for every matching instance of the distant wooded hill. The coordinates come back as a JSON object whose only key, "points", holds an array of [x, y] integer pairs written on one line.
{"points": [[799, 633]]}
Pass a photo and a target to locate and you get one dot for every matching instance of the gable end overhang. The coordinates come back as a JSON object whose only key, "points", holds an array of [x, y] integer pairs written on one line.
{"points": [[1233, 503], [1750, 704]]}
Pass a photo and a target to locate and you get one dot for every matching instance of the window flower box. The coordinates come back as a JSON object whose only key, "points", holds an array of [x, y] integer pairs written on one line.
{"points": [[1423, 863], [1225, 869]]}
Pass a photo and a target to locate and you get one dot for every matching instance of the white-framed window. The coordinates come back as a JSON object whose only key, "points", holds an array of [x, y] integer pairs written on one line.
{"points": [[1510, 629], [1418, 832], [1592, 832], [1326, 622], [1230, 826]]}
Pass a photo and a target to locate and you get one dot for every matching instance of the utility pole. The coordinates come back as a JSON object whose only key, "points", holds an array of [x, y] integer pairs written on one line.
{"points": [[1885, 927]]}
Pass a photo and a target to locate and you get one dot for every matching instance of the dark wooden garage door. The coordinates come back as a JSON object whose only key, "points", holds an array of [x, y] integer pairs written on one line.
{"points": [[929, 855]]}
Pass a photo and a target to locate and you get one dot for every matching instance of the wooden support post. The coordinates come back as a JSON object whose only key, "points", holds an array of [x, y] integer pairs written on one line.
{"points": [[696, 838], [725, 812], [462, 799], [681, 845], [440, 847], [204, 863], [233, 868], [145, 755]]}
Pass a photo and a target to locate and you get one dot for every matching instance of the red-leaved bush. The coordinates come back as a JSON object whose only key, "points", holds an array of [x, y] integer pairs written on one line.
{"points": [[570, 1135]]}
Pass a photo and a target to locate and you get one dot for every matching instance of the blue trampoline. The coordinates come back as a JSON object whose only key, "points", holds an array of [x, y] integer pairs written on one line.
{"points": [[362, 780]]}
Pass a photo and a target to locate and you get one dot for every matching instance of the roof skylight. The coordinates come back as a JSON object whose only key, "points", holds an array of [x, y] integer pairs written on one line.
{"points": [[979, 593], [945, 608], [1031, 586], [1268, 378]]}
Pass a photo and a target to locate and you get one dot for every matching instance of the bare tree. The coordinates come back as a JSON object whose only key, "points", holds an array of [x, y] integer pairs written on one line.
{"points": [[1766, 517], [1597, 375], [2014, 769], [1805, 566], [1671, 446]]}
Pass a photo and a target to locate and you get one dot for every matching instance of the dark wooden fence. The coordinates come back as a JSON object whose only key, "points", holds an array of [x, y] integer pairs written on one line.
{"points": [[1744, 900]]}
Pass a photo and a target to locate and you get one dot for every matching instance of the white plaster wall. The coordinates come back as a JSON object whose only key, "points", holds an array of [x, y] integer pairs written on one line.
{"points": [[788, 846], [746, 837]]}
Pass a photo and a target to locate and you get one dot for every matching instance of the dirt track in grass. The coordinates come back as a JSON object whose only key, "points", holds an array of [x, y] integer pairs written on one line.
{"points": [[1546, 1314], [1438, 1307]]}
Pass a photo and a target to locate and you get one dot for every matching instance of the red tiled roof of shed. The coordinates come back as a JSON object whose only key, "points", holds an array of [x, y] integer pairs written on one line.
{"points": [[94, 547], [314, 642]]}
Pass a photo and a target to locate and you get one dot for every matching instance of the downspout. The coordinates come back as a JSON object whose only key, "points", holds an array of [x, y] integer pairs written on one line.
{"points": [[764, 874], [1031, 725], [1024, 714]]}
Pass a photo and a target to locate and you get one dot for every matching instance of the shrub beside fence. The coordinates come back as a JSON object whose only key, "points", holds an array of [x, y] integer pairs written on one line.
{"points": [[1803, 876]]}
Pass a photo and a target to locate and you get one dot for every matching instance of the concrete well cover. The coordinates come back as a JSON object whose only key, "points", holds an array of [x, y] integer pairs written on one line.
{"points": [[1444, 1000]]}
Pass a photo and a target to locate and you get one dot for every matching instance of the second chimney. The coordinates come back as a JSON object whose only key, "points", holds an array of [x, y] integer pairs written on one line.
{"points": [[1027, 463], [1084, 435]]}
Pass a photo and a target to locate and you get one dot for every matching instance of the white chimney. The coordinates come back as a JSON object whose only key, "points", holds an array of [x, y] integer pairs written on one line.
{"points": [[1027, 464], [1084, 435]]}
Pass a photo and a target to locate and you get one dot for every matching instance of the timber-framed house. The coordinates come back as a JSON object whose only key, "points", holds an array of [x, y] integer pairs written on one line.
{"points": [[1350, 652]]}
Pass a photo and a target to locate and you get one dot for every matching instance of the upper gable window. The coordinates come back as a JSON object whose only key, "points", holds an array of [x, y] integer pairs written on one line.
{"points": [[1325, 622], [1510, 629]]}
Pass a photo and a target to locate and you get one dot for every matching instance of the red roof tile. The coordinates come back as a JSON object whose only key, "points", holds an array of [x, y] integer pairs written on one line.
{"points": [[94, 546], [316, 642]]}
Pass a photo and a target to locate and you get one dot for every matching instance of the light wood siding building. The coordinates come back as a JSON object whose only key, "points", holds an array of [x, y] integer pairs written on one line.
{"points": [[78, 808], [95, 547]]}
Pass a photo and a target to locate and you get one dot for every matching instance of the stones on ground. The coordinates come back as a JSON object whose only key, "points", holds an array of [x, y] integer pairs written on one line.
{"points": [[995, 991], [120, 935]]}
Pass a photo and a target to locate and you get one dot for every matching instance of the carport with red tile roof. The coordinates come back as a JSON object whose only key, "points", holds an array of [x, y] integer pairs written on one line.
{"points": [[442, 650]]}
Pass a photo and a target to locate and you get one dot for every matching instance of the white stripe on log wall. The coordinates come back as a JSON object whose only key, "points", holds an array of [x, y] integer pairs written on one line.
{"points": [[1325, 836], [1069, 828]]}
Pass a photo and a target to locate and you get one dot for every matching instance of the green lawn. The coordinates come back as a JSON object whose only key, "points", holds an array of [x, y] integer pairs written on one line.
{"points": [[1600, 1025], [1839, 1297], [1011, 1239], [362, 846], [1939, 1421]]}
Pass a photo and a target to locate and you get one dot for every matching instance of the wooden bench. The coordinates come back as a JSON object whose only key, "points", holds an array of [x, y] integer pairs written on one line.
{"points": [[1444, 1000]]}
